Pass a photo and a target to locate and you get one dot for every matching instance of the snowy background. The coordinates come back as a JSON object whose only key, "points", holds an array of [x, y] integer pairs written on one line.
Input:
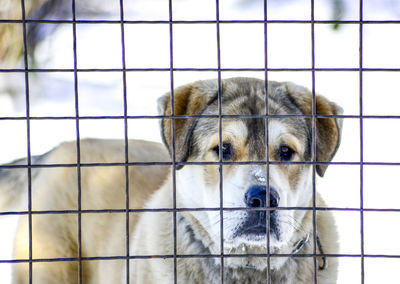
{"points": [[242, 46]]}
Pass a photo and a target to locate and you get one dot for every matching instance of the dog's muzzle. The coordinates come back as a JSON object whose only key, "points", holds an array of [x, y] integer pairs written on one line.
{"points": [[256, 220]]}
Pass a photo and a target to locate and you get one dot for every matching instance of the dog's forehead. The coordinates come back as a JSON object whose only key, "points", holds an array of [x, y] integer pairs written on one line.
{"points": [[246, 97]]}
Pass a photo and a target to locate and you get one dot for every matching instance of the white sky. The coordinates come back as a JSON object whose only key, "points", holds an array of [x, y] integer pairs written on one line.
{"points": [[242, 45]]}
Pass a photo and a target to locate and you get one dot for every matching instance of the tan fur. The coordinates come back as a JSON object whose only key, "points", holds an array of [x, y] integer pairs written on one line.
{"points": [[103, 234]]}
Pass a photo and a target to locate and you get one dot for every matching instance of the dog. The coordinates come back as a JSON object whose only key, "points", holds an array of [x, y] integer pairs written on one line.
{"points": [[264, 228]]}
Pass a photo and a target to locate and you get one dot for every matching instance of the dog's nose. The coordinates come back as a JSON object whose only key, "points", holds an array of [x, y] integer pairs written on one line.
{"points": [[256, 197]]}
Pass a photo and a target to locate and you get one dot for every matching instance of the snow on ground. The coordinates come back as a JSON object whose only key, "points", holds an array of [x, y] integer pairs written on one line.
{"points": [[242, 45]]}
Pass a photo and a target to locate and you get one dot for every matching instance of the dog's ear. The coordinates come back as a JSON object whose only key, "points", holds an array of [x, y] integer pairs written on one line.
{"points": [[190, 99], [328, 130]]}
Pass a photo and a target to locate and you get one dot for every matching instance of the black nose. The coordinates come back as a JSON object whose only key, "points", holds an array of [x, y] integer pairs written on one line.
{"points": [[256, 197]]}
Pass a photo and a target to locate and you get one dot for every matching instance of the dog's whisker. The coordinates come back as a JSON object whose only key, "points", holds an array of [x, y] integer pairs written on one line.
{"points": [[294, 224]]}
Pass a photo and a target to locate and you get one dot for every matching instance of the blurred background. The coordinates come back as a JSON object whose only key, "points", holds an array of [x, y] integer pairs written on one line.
{"points": [[50, 46]]}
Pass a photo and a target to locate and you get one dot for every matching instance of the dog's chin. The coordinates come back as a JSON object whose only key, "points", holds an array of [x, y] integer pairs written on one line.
{"points": [[251, 244], [256, 246]]}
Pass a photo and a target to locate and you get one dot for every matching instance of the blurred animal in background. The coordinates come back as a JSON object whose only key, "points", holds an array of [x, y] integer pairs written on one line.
{"points": [[11, 34]]}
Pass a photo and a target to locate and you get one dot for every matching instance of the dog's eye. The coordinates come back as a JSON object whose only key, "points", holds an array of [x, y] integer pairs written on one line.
{"points": [[285, 153], [227, 151]]}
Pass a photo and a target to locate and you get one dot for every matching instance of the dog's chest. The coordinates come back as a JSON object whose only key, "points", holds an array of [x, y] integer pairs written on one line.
{"points": [[207, 271]]}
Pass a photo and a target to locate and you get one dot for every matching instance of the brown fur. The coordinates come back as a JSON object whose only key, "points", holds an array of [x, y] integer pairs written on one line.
{"points": [[187, 100], [327, 129]]}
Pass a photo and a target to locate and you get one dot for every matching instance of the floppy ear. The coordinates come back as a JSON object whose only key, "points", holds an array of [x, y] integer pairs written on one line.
{"points": [[328, 130], [190, 99]]}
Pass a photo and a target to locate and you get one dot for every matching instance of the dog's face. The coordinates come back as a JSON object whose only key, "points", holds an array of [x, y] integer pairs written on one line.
{"points": [[244, 140]]}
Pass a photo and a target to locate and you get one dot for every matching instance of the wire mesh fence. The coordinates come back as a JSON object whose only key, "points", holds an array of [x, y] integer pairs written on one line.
{"points": [[126, 163]]}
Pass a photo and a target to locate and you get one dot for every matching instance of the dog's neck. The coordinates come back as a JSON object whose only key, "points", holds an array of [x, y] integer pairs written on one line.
{"points": [[194, 243]]}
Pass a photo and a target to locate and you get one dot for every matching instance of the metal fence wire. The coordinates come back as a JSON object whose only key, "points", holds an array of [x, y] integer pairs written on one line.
{"points": [[122, 22]]}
